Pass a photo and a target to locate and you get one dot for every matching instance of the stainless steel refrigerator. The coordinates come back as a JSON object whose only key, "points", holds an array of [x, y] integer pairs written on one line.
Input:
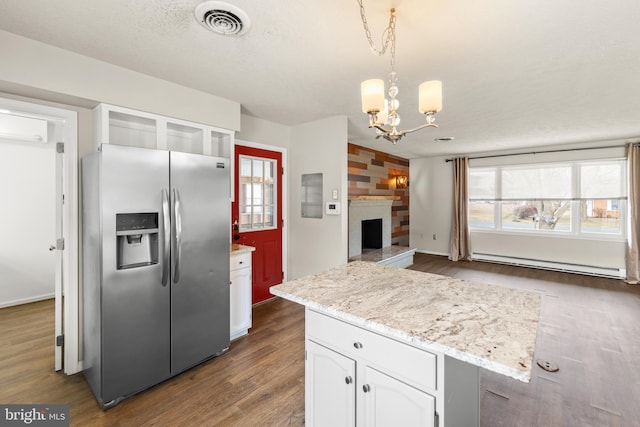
{"points": [[155, 266]]}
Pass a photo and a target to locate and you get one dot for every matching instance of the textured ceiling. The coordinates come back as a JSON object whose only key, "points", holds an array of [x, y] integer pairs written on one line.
{"points": [[515, 74]]}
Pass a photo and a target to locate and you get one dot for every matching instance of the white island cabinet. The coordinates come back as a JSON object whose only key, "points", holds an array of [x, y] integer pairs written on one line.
{"points": [[346, 375], [386, 346], [356, 377]]}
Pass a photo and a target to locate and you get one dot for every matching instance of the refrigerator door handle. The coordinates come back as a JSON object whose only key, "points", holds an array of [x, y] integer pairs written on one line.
{"points": [[166, 242], [177, 211]]}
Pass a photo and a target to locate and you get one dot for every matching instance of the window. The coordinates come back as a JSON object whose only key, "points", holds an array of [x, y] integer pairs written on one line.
{"points": [[602, 193], [482, 198], [257, 193], [580, 198]]}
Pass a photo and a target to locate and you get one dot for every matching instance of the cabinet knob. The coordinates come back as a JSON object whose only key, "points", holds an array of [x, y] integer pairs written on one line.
{"points": [[366, 388], [241, 262], [357, 344], [348, 380]]}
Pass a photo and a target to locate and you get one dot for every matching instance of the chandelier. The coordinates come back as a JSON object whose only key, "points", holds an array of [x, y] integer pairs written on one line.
{"points": [[383, 113]]}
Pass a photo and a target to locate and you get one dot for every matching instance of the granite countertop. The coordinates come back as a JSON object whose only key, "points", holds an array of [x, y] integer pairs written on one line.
{"points": [[489, 326], [237, 248], [383, 254]]}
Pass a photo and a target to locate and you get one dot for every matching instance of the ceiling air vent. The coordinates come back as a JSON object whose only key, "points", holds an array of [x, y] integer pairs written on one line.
{"points": [[222, 18]]}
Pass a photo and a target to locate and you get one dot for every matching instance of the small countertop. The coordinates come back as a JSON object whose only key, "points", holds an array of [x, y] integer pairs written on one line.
{"points": [[489, 326], [237, 248], [384, 254], [374, 198]]}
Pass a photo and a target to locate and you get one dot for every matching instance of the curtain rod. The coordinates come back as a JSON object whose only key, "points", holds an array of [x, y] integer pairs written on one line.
{"points": [[542, 152]]}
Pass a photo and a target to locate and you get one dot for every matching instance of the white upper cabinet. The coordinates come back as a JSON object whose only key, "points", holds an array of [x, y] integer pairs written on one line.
{"points": [[124, 126]]}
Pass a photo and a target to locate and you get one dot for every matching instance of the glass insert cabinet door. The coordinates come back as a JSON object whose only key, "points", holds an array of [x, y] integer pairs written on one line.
{"points": [[257, 193]]}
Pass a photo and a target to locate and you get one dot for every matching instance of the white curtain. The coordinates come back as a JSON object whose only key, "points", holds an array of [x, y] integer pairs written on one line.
{"points": [[633, 237], [460, 237]]}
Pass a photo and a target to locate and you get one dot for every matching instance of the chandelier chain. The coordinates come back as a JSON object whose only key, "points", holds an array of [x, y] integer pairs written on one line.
{"points": [[388, 35], [382, 111]]}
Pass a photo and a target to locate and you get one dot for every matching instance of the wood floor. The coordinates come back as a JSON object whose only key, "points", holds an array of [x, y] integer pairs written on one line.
{"points": [[258, 382], [589, 326]]}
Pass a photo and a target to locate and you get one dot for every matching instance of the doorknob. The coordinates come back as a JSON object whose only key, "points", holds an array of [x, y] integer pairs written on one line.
{"points": [[59, 245]]}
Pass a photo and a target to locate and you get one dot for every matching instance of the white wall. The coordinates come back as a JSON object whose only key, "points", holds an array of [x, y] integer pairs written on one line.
{"points": [[430, 193], [318, 244], [264, 132], [33, 64], [593, 253], [431, 207], [27, 221]]}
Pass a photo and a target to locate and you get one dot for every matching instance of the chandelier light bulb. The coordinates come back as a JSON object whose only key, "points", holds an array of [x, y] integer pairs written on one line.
{"points": [[372, 93], [430, 97]]}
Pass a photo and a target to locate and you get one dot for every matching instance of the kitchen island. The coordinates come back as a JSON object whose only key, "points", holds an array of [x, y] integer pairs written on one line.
{"points": [[389, 346]]}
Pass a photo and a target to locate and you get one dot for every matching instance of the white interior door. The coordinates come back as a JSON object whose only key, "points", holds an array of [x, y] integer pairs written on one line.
{"points": [[45, 248], [58, 247]]}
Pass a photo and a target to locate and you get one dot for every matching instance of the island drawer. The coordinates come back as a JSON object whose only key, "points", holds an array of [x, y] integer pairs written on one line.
{"points": [[409, 364], [240, 260]]}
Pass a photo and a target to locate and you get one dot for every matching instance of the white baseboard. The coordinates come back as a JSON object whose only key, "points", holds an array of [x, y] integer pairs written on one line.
{"points": [[617, 273], [26, 300]]}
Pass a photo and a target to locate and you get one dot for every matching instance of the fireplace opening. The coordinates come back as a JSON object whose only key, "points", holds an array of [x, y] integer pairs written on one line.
{"points": [[371, 234]]}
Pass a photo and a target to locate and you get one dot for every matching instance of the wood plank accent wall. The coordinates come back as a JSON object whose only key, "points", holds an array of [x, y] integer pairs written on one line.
{"points": [[372, 173]]}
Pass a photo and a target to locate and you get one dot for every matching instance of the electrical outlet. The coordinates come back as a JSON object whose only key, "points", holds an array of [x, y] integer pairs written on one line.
{"points": [[434, 237]]}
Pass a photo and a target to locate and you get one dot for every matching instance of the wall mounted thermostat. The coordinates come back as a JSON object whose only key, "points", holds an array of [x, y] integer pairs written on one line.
{"points": [[333, 208]]}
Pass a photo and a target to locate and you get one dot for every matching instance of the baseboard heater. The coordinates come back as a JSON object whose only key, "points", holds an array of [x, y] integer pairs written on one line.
{"points": [[590, 270]]}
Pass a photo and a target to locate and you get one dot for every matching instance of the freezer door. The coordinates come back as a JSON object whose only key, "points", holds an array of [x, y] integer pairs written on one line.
{"points": [[200, 258], [135, 305]]}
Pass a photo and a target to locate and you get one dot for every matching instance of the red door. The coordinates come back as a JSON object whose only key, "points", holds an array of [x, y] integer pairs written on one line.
{"points": [[257, 212]]}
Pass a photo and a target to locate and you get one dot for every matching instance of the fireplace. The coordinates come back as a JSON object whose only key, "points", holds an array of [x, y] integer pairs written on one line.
{"points": [[363, 210], [371, 234]]}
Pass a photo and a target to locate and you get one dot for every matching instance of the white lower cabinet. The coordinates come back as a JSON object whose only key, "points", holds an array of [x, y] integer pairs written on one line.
{"points": [[240, 294], [330, 393], [357, 377], [389, 402], [346, 385]]}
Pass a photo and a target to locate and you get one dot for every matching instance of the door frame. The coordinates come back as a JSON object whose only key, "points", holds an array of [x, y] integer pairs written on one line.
{"points": [[70, 307], [285, 198]]}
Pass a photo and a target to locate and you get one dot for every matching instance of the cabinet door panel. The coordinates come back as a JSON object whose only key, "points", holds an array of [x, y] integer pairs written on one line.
{"points": [[240, 301], [389, 402], [330, 388]]}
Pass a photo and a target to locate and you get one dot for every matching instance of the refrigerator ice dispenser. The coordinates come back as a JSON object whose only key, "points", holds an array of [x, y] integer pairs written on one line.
{"points": [[137, 239]]}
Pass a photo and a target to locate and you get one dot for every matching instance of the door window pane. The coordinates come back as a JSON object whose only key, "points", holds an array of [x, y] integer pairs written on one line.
{"points": [[257, 193]]}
